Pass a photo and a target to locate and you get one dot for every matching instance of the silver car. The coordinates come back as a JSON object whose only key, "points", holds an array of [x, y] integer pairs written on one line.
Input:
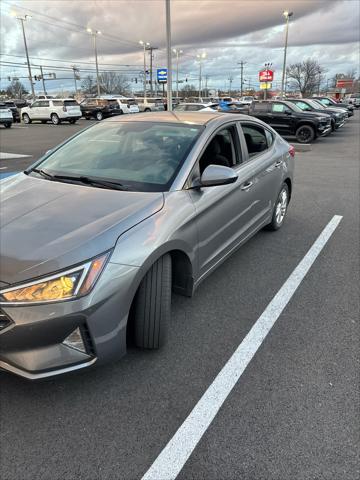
{"points": [[98, 233]]}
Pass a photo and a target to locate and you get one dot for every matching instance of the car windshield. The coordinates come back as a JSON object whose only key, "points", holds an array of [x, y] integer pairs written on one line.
{"points": [[317, 105], [143, 156]]}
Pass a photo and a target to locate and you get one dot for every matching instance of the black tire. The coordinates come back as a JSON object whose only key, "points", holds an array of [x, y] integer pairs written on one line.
{"points": [[72, 121], [99, 116], [276, 221], [305, 134], [55, 119], [152, 306], [147, 110], [121, 112], [7, 125], [333, 127], [26, 118]]}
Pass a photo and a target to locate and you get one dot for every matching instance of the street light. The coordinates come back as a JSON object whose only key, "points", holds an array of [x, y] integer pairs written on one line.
{"points": [[177, 53], [287, 15], [145, 45], [94, 34], [22, 20], [201, 58]]}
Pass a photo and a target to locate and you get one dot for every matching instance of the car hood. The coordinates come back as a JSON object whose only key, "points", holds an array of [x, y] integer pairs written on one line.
{"points": [[46, 226]]}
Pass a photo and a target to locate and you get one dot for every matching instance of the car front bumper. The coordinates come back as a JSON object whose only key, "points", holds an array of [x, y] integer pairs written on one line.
{"points": [[33, 344]]}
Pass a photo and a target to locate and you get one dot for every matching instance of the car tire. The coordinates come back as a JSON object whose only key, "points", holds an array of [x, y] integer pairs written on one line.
{"points": [[152, 306], [72, 121], [121, 112], [99, 116], [305, 134], [7, 125], [55, 119], [147, 110], [280, 209], [26, 118]]}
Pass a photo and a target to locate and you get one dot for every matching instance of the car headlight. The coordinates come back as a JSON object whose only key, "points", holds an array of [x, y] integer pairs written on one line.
{"points": [[72, 283]]}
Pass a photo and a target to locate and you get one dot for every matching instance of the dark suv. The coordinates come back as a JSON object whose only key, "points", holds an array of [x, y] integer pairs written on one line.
{"points": [[99, 108], [288, 119], [329, 102], [337, 116]]}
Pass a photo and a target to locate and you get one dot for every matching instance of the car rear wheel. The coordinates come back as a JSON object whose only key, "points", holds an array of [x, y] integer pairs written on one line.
{"points": [[280, 209], [7, 125], [99, 116], [72, 121], [147, 110], [26, 118], [153, 305], [55, 119], [305, 134]]}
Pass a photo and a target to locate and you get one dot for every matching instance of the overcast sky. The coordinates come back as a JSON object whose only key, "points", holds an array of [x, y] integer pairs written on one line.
{"points": [[228, 31]]}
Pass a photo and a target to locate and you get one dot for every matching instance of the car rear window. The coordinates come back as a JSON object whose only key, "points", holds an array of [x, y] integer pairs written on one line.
{"points": [[70, 103]]}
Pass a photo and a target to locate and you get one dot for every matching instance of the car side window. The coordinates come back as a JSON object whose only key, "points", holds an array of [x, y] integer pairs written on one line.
{"points": [[269, 137], [36, 104], [57, 103], [256, 139], [44, 103], [278, 108], [222, 150], [303, 105]]}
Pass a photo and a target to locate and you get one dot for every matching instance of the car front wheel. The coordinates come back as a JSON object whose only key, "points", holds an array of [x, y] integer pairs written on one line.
{"points": [[99, 116], [153, 305], [305, 134], [280, 209], [55, 119], [26, 118]]}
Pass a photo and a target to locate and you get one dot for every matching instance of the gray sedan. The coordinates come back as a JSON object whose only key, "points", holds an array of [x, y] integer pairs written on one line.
{"points": [[99, 232]]}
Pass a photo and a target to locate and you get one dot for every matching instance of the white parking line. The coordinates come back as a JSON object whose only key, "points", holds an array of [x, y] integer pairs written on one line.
{"points": [[173, 457], [7, 156]]}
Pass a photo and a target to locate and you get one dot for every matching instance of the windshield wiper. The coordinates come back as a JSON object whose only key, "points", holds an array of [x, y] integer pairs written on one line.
{"points": [[83, 179]]}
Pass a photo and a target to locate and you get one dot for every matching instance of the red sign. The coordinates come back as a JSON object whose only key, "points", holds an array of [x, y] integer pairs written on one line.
{"points": [[344, 83], [266, 76]]}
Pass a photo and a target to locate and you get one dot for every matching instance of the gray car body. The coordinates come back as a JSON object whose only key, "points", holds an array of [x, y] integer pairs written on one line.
{"points": [[48, 227]]}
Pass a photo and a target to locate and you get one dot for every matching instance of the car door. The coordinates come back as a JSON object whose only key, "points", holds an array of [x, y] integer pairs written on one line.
{"points": [[266, 157], [261, 110], [34, 110], [43, 110], [225, 215], [281, 120]]}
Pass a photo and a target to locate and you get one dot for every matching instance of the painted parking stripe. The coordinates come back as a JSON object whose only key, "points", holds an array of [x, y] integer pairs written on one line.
{"points": [[173, 457], [8, 156], [7, 174]]}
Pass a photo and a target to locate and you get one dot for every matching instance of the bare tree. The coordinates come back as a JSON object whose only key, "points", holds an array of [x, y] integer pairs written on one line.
{"points": [[88, 85], [112, 82], [16, 89], [306, 76]]}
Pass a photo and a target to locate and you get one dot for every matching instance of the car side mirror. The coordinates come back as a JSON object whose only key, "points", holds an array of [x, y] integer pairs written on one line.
{"points": [[215, 175]]}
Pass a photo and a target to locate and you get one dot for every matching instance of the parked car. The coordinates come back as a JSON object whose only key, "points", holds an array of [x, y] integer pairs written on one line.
{"points": [[127, 105], [288, 119], [337, 116], [101, 230], [247, 100], [234, 107], [15, 112], [99, 108], [329, 102], [150, 104], [354, 99], [57, 110], [44, 97], [195, 107], [6, 116]]}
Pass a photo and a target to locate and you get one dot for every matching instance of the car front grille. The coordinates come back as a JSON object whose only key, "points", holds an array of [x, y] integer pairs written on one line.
{"points": [[5, 321]]}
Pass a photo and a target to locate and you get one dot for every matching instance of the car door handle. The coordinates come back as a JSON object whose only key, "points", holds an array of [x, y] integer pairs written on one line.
{"points": [[246, 186], [278, 163]]}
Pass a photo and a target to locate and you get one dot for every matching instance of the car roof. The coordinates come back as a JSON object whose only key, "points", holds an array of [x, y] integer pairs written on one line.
{"points": [[195, 118]]}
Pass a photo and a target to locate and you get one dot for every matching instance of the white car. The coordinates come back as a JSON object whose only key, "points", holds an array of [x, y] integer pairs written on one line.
{"points": [[126, 104], [196, 107], [56, 110], [247, 100], [6, 116], [150, 104]]}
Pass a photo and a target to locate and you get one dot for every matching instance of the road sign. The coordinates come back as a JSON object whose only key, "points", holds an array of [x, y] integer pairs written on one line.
{"points": [[265, 85], [266, 75], [162, 75], [344, 82]]}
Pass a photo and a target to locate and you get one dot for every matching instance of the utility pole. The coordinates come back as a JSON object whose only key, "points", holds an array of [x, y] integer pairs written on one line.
{"points": [[230, 83], [22, 20], [43, 79], [94, 34], [168, 51], [242, 63], [206, 85], [75, 71], [287, 15], [200, 57], [146, 46], [150, 49]]}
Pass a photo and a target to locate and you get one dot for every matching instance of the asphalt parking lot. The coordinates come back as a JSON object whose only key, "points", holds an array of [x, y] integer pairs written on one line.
{"points": [[293, 414]]}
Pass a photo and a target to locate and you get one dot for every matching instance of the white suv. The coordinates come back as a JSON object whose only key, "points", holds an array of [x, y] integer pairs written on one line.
{"points": [[56, 110]]}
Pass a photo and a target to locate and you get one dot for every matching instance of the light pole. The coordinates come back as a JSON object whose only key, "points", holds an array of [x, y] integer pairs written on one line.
{"points": [[76, 72], [94, 34], [201, 58], [287, 15], [177, 53], [22, 20], [145, 45]]}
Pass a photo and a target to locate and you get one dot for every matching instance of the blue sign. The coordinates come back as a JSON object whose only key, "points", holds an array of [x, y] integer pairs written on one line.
{"points": [[162, 75]]}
